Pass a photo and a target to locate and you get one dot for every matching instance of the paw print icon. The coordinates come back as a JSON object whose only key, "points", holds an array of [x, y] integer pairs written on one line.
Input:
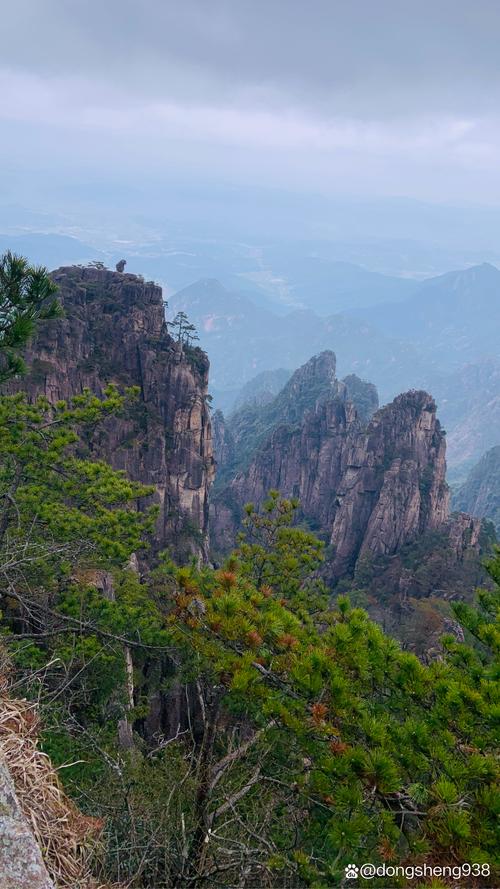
{"points": [[352, 872]]}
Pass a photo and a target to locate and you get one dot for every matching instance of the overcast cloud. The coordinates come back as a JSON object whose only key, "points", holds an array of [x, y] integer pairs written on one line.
{"points": [[369, 97]]}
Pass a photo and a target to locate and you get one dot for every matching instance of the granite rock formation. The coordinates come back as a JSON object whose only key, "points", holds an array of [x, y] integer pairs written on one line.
{"points": [[249, 426], [369, 488], [480, 493], [21, 863], [114, 331], [223, 441]]}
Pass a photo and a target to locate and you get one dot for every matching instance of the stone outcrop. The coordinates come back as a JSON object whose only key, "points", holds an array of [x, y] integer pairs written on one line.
{"points": [[363, 395], [114, 331], [392, 485], [45, 840], [21, 864], [369, 488], [250, 426], [480, 493], [223, 441]]}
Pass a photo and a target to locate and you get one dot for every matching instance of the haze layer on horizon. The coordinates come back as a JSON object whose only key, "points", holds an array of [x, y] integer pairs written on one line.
{"points": [[157, 107]]}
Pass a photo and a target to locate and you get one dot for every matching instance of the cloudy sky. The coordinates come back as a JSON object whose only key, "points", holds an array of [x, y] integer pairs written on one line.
{"points": [[348, 97]]}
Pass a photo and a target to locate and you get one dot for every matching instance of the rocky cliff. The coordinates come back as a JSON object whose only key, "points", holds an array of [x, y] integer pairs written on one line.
{"points": [[369, 488], [480, 493], [251, 424], [223, 441], [114, 330]]}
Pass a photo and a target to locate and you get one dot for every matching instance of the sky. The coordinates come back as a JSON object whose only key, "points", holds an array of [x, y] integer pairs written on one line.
{"points": [[358, 98]]}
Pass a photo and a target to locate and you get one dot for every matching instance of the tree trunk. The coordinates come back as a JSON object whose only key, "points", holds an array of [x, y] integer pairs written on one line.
{"points": [[125, 733], [200, 840]]}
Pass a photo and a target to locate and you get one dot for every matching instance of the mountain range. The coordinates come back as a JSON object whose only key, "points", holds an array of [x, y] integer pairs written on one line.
{"points": [[370, 482], [276, 304], [443, 338], [243, 339], [454, 318]]}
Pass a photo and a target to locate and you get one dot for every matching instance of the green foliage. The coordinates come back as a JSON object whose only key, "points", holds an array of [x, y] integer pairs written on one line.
{"points": [[26, 297], [388, 757], [65, 522], [275, 552], [306, 738], [183, 330], [52, 497]]}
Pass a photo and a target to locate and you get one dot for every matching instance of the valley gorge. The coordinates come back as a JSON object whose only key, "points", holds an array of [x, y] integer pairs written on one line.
{"points": [[371, 482], [480, 493]]}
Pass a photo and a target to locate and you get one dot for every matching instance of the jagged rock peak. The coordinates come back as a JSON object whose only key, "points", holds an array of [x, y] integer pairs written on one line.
{"points": [[410, 417], [362, 394], [370, 488], [313, 382], [319, 371]]}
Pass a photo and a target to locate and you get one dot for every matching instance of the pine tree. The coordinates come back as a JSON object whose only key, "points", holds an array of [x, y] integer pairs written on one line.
{"points": [[26, 297], [365, 747], [184, 331]]}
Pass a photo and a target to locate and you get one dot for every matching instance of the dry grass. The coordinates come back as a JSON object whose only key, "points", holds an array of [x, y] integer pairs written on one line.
{"points": [[64, 834]]}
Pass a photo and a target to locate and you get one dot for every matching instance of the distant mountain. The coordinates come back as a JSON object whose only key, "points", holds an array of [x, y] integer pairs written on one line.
{"points": [[243, 339], [468, 403], [454, 318], [326, 286], [446, 342], [262, 388], [469, 407], [480, 494], [309, 384]]}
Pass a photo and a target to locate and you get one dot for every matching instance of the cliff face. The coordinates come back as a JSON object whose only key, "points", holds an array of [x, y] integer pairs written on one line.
{"points": [[392, 485], [114, 331], [480, 493], [370, 489], [249, 426], [223, 441]]}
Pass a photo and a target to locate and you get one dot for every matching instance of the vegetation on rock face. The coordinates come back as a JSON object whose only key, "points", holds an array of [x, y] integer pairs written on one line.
{"points": [[253, 422], [183, 331], [114, 331], [411, 594]]}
